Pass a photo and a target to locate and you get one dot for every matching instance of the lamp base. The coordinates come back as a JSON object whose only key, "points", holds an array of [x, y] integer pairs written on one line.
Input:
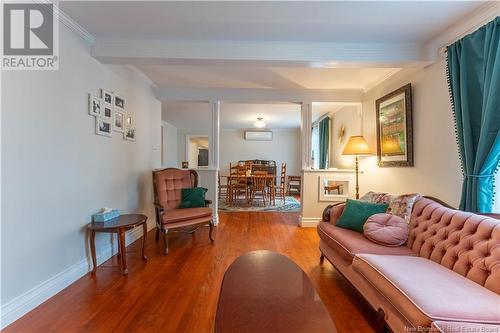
{"points": [[357, 184]]}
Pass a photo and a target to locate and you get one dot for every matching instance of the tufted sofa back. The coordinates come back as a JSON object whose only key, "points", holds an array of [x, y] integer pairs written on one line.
{"points": [[466, 243], [168, 184]]}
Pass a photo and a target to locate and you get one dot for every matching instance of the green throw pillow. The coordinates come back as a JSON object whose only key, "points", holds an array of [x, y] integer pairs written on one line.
{"points": [[193, 197], [356, 213]]}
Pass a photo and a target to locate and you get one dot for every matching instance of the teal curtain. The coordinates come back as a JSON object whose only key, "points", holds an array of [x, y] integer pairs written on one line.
{"points": [[474, 82], [324, 142]]}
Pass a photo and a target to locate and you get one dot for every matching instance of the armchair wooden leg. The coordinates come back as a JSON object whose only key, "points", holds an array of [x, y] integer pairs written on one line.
{"points": [[381, 325], [321, 258], [165, 241], [157, 236], [211, 224]]}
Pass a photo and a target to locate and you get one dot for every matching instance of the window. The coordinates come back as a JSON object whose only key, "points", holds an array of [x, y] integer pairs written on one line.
{"points": [[320, 143], [315, 146]]}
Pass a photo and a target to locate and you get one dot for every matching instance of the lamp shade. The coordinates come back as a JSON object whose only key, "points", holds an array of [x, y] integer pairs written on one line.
{"points": [[356, 146]]}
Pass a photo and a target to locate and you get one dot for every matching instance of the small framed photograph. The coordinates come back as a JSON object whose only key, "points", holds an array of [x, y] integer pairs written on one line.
{"points": [[107, 97], [95, 105], [118, 121], [128, 120], [107, 112], [129, 133], [103, 126], [119, 102]]}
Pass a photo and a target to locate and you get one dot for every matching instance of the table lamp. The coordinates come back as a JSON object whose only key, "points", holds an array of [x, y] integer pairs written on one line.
{"points": [[357, 146]]}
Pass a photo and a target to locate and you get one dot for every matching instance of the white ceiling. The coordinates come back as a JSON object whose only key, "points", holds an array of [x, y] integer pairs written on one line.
{"points": [[358, 23], [188, 115], [195, 115], [278, 115], [339, 21]]}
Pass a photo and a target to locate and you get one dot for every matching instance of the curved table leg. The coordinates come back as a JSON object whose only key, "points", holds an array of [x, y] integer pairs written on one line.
{"points": [[92, 250], [121, 235], [144, 235]]}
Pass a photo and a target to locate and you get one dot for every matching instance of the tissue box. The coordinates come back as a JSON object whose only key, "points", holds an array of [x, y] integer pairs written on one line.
{"points": [[103, 217]]}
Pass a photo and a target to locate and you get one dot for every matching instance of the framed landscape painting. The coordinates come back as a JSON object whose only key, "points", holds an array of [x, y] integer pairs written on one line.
{"points": [[395, 128]]}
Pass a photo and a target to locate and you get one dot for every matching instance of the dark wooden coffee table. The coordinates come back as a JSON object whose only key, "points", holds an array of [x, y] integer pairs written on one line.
{"points": [[119, 226], [263, 292]]}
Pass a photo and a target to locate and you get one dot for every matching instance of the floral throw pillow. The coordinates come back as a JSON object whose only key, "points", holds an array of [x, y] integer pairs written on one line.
{"points": [[400, 205]]}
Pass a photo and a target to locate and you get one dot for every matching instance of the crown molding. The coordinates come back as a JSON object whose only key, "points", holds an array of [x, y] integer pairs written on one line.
{"points": [[382, 79], [464, 26], [75, 27], [68, 22]]}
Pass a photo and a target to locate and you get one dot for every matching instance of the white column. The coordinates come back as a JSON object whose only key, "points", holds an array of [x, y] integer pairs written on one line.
{"points": [[305, 134], [213, 150]]}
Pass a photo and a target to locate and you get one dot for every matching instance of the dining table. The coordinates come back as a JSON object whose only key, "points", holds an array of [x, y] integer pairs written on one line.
{"points": [[246, 179]]}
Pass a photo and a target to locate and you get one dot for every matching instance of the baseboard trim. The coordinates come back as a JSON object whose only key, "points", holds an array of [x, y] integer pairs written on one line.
{"points": [[24, 303], [309, 222]]}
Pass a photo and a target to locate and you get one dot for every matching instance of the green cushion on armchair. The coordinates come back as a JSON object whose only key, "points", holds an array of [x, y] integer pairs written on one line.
{"points": [[356, 213], [193, 197]]}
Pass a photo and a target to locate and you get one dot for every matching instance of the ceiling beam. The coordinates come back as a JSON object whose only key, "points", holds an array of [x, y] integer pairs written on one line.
{"points": [[311, 54], [171, 93]]}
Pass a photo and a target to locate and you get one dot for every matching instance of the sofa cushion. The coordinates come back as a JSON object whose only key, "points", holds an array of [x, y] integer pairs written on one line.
{"points": [[184, 214], [386, 229], [424, 291], [466, 243], [357, 212], [457, 327], [349, 243], [400, 205]]}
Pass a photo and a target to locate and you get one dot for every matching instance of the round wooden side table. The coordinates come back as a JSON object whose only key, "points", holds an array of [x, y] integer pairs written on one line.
{"points": [[119, 226]]}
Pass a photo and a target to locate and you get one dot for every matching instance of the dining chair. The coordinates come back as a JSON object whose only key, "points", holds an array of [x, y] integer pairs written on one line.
{"points": [[223, 189], [280, 190], [238, 183], [259, 186]]}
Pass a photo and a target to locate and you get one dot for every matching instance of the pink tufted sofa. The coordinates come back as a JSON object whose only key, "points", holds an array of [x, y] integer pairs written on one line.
{"points": [[446, 275]]}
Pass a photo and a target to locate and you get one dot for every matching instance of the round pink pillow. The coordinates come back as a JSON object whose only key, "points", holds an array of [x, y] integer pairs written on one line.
{"points": [[386, 229]]}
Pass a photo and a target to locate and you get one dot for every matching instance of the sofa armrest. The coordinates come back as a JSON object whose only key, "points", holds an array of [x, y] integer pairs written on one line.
{"points": [[158, 206], [332, 212]]}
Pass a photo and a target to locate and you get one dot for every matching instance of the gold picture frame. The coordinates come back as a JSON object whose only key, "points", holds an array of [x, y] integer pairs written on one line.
{"points": [[395, 128]]}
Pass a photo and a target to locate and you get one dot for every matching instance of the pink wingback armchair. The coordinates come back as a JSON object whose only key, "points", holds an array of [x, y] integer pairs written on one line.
{"points": [[167, 184]]}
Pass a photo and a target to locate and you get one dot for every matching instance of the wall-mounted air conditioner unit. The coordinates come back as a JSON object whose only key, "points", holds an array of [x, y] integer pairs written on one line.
{"points": [[258, 135]]}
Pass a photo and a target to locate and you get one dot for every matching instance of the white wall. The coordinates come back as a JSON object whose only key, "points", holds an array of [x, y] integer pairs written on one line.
{"points": [[437, 166], [170, 146], [350, 118], [56, 172], [285, 147], [182, 143]]}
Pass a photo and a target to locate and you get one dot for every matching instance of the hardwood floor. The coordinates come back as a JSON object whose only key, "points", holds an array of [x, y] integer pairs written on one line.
{"points": [[179, 292]]}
